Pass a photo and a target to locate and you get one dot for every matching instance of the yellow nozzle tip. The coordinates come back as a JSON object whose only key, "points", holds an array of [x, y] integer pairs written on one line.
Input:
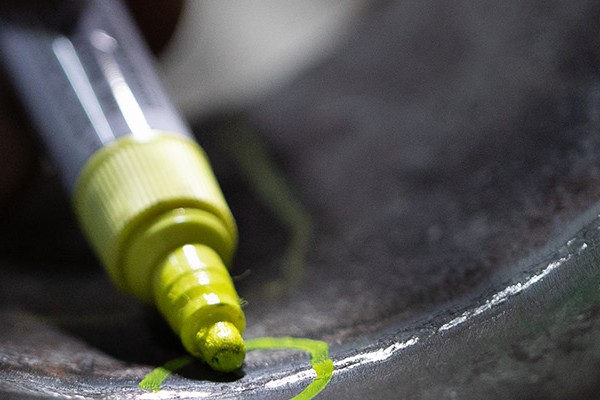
{"points": [[222, 347]]}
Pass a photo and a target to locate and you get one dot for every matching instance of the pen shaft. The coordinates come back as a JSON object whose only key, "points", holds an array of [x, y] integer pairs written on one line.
{"points": [[85, 78]]}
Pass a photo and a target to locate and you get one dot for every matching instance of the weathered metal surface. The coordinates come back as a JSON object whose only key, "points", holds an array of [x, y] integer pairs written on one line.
{"points": [[434, 220]]}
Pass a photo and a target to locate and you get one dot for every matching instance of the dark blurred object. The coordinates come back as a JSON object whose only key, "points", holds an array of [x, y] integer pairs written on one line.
{"points": [[157, 20]]}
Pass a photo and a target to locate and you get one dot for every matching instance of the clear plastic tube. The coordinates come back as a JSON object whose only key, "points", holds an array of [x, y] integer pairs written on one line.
{"points": [[85, 76]]}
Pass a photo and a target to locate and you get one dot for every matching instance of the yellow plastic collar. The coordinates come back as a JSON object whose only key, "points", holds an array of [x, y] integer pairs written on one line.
{"points": [[129, 184]]}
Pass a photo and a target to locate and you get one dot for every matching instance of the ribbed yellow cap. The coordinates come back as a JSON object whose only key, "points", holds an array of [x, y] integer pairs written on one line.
{"points": [[140, 204], [130, 183]]}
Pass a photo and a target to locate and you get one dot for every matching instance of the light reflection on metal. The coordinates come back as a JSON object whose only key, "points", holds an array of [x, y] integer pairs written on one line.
{"points": [[378, 355], [382, 354], [175, 394], [290, 379], [506, 293], [503, 295]]}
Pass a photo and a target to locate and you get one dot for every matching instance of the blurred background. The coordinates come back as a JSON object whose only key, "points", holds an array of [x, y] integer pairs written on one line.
{"points": [[231, 55]]}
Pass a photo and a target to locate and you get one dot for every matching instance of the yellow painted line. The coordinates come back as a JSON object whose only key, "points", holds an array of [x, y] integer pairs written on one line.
{"points": [[317, 349]]}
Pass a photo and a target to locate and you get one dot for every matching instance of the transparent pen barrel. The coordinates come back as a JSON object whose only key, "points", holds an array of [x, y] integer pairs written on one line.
{"points": [[86, 79]]}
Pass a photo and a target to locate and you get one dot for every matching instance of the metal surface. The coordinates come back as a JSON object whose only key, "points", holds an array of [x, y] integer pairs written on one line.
{"points": [[437, 227]]}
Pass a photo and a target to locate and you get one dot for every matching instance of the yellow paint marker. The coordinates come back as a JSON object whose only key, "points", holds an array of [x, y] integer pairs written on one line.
{"points": [[143, 190]]}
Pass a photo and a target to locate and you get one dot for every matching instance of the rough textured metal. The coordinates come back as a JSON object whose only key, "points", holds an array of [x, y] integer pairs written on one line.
{"points": [[440, 233]]}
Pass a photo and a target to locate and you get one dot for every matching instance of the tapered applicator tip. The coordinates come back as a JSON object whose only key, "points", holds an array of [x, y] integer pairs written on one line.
{"points": [[222, 346]]}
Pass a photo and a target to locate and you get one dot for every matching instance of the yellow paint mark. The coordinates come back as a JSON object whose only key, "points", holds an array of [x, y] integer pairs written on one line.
{"points": [[271, 189], [319, 360], [154, 379]]}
